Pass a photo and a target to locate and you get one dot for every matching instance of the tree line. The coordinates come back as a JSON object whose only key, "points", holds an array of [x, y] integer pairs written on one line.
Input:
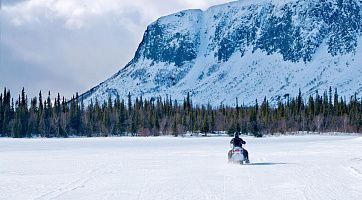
{"points": [[59, 117]]}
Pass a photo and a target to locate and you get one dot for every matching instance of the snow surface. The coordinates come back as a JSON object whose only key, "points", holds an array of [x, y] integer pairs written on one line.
{"points": [[290, 167]]}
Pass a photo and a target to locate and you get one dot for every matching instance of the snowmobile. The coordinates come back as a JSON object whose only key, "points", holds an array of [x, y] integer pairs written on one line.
{"points": [[237, 156]]}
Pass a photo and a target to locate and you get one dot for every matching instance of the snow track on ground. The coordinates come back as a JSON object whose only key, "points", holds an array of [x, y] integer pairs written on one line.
{"points": [[290, 167]]}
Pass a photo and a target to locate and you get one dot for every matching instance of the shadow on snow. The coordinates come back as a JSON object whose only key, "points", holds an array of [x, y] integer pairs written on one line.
{"points": [[268, 163]]}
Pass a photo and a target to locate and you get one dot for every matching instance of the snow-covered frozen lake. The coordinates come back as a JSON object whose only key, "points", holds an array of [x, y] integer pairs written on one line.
{"points": [[290, 167]]}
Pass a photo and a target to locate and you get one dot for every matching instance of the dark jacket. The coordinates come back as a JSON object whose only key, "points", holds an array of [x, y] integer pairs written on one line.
{"points": [[237, 142]]}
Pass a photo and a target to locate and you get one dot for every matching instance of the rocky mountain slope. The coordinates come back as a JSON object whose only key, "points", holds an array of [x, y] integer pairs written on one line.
{"points": [[246, 49]]}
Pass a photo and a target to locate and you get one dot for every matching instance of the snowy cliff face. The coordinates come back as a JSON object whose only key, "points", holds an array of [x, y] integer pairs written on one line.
{"points": [[246, 49]]}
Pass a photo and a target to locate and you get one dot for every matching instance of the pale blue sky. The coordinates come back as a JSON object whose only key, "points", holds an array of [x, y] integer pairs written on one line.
{"points": [[69, 46]]}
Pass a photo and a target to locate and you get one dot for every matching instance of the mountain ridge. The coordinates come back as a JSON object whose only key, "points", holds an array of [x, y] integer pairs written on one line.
{"points": [[245, 49]]}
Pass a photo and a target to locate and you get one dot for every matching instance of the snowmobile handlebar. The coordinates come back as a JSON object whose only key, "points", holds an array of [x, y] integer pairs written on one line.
{"points": [[232, 145]]}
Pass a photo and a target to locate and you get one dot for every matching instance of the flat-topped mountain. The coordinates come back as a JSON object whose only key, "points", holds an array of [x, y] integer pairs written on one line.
{"points": [[246, 49]]}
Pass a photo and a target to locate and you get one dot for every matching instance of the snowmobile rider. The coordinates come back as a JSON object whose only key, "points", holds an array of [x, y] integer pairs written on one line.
{"points": [[238, 142]]}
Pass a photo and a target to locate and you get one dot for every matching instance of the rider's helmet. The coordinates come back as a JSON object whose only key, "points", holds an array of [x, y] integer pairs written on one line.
{"points": [[236, 134]]}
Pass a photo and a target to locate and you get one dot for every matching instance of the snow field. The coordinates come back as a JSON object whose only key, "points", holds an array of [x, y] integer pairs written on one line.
{"points": [[290, 167]]}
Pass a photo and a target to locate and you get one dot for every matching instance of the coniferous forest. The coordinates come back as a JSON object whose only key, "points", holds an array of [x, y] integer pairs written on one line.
{"points": [[44, 116]]}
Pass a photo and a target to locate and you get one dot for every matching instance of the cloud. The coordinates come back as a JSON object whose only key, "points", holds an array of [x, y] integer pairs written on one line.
{"points": [[82, 42], [76, 13], [73, 13]]}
